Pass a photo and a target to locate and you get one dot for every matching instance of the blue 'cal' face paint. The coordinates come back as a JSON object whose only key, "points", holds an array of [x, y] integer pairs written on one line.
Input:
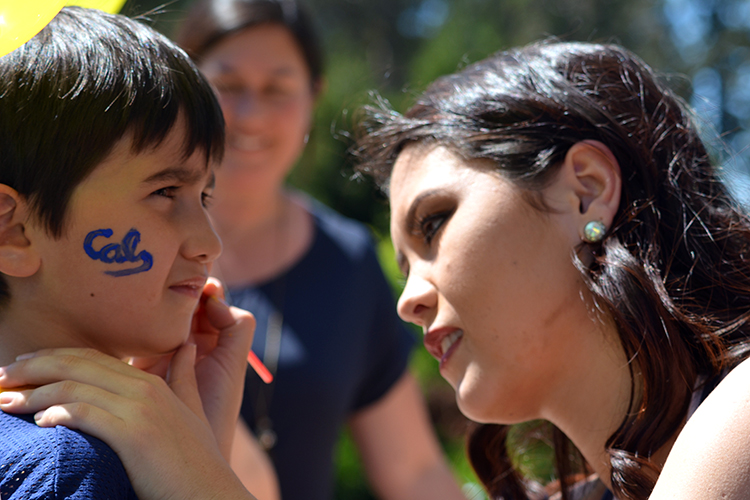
{"points": [[119, 252]]}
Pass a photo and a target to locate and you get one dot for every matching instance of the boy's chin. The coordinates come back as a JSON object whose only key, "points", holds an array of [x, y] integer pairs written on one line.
{"points": [[156, 364]]}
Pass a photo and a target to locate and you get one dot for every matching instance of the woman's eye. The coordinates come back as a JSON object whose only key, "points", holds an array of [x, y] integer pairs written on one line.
{"points": [[277, 93], [431, 224], [228, 88]]}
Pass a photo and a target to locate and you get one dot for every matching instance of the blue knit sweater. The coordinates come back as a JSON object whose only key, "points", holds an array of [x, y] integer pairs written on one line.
{"points": [[57, 463]]}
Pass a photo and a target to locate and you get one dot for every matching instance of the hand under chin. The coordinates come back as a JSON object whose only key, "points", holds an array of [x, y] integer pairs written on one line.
{"points": [[155, 365]]}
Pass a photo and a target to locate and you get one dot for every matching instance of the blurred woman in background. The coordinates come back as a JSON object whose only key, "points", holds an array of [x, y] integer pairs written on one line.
{"points": [[327, 325]]}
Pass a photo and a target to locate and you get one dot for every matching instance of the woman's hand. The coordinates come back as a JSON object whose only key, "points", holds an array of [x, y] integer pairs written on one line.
{"points": [[223, 336], [167, 448]]}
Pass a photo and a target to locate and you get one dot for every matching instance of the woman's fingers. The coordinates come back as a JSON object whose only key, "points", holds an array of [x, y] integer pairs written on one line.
{"points": [[84, 417], [213, 287], [221, 366], [29, 368], [84, 366], [142, 392], [181, 379], [236, 326]]}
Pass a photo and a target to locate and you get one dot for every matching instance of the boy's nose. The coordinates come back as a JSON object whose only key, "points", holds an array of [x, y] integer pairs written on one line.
{"points": [[204, 244]]}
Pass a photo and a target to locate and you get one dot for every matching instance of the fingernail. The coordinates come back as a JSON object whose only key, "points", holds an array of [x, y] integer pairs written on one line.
{"points": [[21, 357], [219, 300], [38, 415], [7, 398]]}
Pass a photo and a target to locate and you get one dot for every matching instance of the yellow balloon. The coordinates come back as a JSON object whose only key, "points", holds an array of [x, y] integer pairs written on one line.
{"points": [[111, 6], [20, 20]]}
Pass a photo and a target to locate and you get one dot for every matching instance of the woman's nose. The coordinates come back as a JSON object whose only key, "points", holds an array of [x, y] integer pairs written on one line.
{"points": [[418, 301]]}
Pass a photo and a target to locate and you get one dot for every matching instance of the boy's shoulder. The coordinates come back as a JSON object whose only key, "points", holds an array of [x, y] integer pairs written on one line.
{"points": [[38, 462]]}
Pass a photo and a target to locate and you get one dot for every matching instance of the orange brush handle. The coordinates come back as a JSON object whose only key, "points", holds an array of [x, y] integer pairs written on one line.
{"points": [[19, 388], [263, 372]]}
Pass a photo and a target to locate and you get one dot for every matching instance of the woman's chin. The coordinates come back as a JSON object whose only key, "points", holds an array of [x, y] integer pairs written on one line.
{"points": [[480, 405], [470, 401]]}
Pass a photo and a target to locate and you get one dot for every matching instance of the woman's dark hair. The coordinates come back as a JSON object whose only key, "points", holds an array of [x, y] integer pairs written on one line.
{"points": [[69, 94], [210, 21], [672, 270]]}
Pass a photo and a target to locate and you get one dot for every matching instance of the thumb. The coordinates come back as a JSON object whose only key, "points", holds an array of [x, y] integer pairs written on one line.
{"points": [[181, 378], [236, 326]]}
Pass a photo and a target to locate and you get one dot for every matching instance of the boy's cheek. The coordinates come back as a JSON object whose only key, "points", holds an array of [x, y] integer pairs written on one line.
{"points": [[124, 257]]}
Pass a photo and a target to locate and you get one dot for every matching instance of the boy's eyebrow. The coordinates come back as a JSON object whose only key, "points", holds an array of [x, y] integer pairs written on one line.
{"points": [[180, 174]]}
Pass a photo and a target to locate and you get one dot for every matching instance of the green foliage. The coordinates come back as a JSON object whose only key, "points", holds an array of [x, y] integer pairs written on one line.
{"points": [[350, 477]]}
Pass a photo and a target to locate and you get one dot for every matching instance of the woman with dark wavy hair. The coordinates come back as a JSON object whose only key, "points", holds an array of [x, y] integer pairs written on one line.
{"points": [[572, 256]]}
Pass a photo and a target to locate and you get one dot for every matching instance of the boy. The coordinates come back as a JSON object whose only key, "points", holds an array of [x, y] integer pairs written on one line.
{"points": [[108, 135]]}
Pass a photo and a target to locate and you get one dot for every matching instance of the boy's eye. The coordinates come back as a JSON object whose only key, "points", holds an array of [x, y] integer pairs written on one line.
{"points": [[167, 192], [206, 199]]}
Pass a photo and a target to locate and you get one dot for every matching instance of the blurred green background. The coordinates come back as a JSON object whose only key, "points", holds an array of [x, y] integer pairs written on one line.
{"points": [[396, 47]]}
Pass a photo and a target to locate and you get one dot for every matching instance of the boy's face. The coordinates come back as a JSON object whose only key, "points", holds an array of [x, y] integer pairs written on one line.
{"points": [[137, 248]]}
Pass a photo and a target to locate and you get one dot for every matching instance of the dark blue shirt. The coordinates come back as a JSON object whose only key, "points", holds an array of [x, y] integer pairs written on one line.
{"points": [[57, 463], [342, 348]]}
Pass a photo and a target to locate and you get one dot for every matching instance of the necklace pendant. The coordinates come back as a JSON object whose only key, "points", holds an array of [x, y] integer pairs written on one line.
{"points": [[267, 439], [266, 434]]}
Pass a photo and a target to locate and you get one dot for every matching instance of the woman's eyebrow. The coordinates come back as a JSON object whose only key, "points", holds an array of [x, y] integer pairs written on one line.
{"points": [[411, 218]]}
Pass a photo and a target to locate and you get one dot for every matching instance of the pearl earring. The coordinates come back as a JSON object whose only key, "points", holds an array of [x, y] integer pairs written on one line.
{"points": [[593, 231]]}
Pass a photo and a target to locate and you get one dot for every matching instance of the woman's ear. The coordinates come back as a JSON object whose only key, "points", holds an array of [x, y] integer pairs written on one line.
{"points": [[588, 185], [17, 255], [319, 88]]}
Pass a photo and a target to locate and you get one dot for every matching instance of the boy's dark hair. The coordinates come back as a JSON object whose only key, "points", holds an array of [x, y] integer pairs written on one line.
{"points": [[72, 92]]}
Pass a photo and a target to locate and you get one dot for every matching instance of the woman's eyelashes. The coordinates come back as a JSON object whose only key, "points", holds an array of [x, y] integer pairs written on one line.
{"points": [[428, 226]]}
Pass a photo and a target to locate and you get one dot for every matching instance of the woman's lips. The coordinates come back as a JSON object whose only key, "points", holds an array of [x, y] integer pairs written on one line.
{"points": [[442, 342], [246, 143]]}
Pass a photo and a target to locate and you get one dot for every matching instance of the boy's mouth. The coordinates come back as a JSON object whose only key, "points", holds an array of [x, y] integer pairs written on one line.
{"points": [[192, 287]]}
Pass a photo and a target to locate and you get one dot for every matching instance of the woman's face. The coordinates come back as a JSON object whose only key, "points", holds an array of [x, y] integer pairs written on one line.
{"points": [[490, 279], [266, 94]]}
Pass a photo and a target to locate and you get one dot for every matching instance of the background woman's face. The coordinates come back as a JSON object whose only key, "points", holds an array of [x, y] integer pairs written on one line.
{"points": [[491, 281], [267, 97]]}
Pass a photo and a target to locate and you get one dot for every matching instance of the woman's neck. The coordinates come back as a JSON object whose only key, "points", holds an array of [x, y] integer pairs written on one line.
{"points": [[262, 238], [592, 401], [597, 411]]}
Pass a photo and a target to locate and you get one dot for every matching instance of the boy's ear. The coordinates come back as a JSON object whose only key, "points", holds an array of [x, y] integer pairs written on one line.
{"points": [[17, 255], [588, 186]]}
